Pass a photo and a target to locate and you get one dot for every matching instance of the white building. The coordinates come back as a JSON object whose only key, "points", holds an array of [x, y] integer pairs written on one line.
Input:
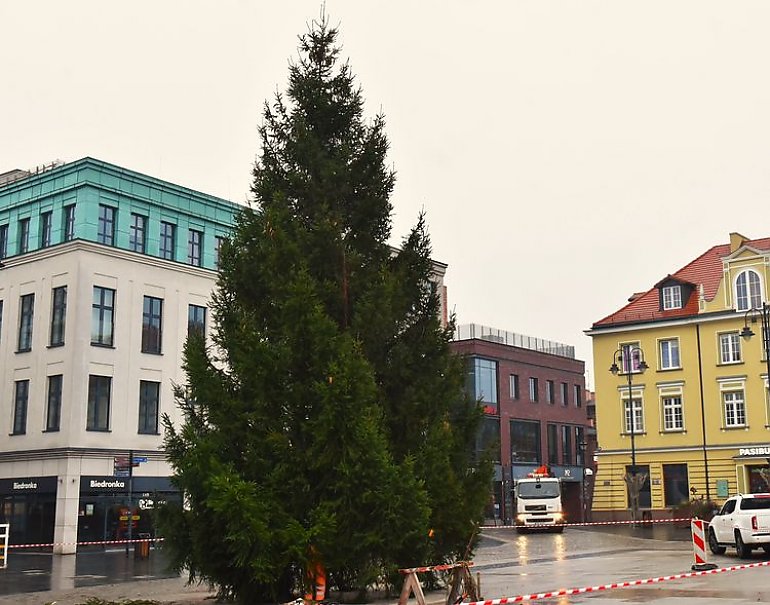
{"points": [[104, 272]]}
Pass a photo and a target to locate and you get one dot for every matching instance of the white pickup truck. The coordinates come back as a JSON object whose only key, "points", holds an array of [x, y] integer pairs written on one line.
{"points": [[743, 522]]}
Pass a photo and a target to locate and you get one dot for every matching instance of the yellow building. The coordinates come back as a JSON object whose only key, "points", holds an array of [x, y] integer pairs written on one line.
{"points": [[689, 397]]}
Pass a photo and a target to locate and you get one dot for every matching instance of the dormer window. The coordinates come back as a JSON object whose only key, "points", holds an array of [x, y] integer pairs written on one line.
{"points": [[748, 291], [672, 297]]}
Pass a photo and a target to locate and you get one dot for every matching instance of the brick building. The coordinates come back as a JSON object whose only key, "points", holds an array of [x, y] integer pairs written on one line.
{"points": [[533, 392]]}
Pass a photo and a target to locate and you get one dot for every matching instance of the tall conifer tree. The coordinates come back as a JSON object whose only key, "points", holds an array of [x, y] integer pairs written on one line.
{"points": [[328, 421]]}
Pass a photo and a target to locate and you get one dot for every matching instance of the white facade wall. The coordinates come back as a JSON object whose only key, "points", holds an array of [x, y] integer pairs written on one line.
{"points": [[73, 451]]}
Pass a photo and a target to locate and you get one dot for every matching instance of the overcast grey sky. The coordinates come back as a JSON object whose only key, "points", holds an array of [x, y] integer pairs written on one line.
{"points": [[567, 153]]}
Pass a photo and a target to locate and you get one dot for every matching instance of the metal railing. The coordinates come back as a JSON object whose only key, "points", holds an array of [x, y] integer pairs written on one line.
{"points": [[469, 331]]}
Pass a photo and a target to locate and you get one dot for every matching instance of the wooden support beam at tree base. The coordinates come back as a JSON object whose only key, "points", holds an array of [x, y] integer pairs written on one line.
{"points": [[462, 584], [411, 585]]}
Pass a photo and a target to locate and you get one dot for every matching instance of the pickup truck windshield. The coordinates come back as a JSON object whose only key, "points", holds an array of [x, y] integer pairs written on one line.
{"points": [[755, 503], [538, 490]]}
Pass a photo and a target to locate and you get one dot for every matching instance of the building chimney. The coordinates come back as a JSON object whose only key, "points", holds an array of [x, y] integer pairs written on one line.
{"points": [[736, 241]]}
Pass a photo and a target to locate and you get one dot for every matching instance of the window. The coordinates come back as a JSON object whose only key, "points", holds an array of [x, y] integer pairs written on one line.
{"points": [[748, 291], [152, 318], [756, 503], [488, 438], [167, 240], [218, 250], [631, 357], [578, 396], [673, 418], [136, 233], [3, 241], [514, 384], [23, 235], [549, 391], [564, 393], [553, 443], [580, 446], [102, 314], [566, 444], [483, 383], [672, 297], [26, 312], [730, 347], [149, 400], [676, 487], [105, 233], [632, 413], [45, 229], [669, 354], [196, 320], [21, 398], [735, 408], [533, 389], [195, 247], [53, 411], [58, 315], [98, 416], [525, 441], [68, 223], [728, 507]]}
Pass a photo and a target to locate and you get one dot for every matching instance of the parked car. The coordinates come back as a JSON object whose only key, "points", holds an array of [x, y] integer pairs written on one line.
{"points": [[743, 522]]}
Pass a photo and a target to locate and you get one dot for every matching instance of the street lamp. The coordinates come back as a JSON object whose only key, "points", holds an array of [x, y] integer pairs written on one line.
{"points": [[631, 359], [764, 314]]}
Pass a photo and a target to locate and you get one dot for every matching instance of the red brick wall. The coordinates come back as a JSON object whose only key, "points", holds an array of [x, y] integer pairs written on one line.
{"points": [[526, 363]]}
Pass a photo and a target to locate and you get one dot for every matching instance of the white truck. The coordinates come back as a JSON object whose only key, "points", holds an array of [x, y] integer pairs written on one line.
{"points": [[538, 504], [743, 522]]}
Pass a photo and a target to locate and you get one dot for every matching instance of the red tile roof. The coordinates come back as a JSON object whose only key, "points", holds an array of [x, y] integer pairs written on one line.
{"points": [[705, 271]]}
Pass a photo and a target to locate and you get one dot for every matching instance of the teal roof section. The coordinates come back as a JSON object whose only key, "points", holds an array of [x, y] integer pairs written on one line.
{"points": [[30, 203]]}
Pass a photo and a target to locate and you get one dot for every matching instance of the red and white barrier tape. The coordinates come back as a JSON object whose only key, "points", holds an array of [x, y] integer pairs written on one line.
{"points": [[444, 567], [641, 521], [573, 591], [95, 543]]}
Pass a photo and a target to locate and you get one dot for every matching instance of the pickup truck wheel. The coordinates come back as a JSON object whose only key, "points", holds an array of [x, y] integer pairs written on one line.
{"points": [[521, 530], [743, 551], [559, 529], [766, 548], [714, 545]]}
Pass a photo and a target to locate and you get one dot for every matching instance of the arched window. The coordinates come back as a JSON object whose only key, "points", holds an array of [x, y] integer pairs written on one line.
{"points": [[748, 291]]}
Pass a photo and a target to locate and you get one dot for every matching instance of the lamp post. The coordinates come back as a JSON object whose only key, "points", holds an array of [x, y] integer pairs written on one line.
{"points": [[764, 315], [582, 449], [631, 360]]}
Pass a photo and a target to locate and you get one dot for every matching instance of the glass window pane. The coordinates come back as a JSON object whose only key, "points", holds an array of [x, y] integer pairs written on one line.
{"points": [[98, 414], [525, 441]]}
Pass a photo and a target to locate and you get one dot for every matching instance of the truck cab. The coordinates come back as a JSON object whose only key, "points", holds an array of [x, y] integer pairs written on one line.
{"points": [[538, 503]]}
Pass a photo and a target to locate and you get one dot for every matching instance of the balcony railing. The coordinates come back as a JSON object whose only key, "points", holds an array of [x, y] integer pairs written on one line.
{"points": [[469, 331]]}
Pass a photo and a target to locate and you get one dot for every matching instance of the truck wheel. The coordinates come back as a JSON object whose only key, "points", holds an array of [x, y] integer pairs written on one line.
{"points": [[559, 529], [743, 551], [766, 548], [714, 545], [521, 530]]}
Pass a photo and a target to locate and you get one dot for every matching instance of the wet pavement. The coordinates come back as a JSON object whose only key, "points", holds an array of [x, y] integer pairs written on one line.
{"points": [[40, 571], [509, 565]]}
